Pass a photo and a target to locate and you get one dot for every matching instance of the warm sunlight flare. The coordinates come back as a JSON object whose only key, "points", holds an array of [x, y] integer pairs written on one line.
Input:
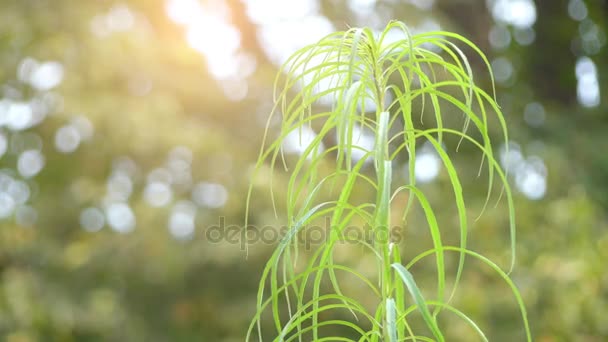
{"points": [[208, 32], [303, 170]]}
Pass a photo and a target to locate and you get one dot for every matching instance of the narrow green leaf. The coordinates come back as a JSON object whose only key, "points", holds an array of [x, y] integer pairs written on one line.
{"points": [[409, 282]]}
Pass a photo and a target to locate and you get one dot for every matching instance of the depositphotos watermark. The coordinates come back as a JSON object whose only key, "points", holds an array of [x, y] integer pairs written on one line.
{"points": [[308, 236]]}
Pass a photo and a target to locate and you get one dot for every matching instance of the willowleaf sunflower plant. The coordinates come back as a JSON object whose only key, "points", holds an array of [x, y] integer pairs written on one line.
{"points": [[359, 68]]}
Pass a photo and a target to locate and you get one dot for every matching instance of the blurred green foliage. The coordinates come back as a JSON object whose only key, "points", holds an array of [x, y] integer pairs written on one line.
{"points": [[157, 111]]}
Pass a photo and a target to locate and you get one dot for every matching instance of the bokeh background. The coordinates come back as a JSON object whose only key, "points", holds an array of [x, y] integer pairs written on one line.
{"points": [[129, 128]]}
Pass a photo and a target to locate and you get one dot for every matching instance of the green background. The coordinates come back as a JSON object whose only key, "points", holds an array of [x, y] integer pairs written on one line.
{"points": [[144, 107]]}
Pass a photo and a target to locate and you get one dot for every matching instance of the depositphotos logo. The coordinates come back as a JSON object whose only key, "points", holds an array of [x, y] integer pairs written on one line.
{"points": [[308, 236]]}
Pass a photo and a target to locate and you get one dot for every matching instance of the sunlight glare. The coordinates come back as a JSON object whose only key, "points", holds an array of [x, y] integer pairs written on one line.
{"points": [[427, 167], [208, 32], [19, 191], [158, 194], [519, 13], [7, 205], [362, 143], [210, 195], [428, 163], [67, 139], [362, 6], [264, 11], [281, 39], [30, 163], [182, 220], [298, 140], [588, 88], [531, 178], [184, 12], [120, 217], [212, 34]]}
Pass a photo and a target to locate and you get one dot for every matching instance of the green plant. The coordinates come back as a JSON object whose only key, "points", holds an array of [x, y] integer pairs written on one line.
{"points": [[354, 68]]}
